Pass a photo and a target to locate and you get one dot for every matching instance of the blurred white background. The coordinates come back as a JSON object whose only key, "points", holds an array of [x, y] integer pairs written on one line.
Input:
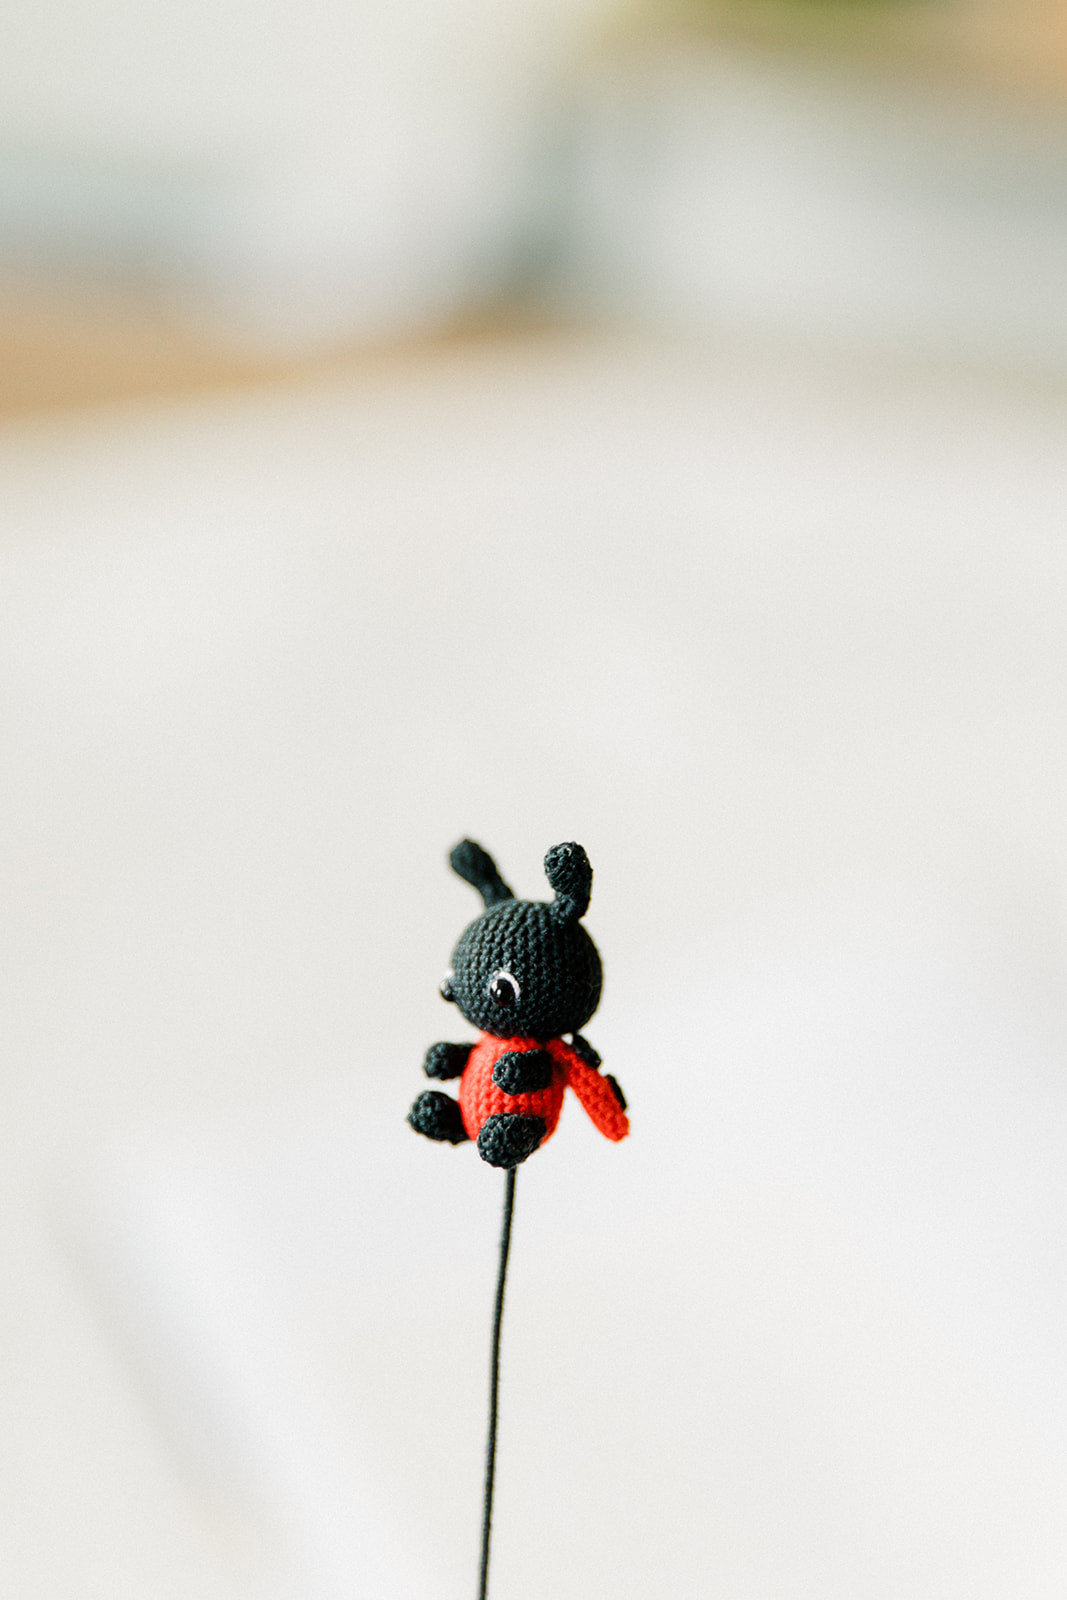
{"points": [[646, 430]]}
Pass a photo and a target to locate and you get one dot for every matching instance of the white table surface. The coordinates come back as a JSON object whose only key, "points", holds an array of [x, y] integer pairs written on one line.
{"points": [[783, 645]]}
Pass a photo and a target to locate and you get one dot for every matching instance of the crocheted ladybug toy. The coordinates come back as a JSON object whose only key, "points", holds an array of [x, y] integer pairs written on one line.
{"points": [[524, 973]]}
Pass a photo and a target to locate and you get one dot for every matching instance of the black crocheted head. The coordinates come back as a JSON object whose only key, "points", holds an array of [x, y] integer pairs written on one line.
{"points": [[525, 969]]}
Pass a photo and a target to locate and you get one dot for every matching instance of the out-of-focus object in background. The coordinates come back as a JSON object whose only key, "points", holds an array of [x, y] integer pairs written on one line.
{"points": [[1023, 40], [269, 182], [289, 175], [878, 174]]}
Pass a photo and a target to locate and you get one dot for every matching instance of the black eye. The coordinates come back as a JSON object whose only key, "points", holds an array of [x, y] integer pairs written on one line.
{"points": [[503, 990], [444, 988]]}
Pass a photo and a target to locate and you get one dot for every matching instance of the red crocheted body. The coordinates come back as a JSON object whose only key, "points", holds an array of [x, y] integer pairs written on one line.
{"points": [[480, 1098]]}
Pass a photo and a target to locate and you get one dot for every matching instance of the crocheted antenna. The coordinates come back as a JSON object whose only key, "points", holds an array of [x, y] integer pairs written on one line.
{"points": [[568, 871], [477, 867]]}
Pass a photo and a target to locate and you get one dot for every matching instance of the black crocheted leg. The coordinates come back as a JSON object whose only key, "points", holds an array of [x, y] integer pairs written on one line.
{"points": [[507, 1139], [523, 1071], [446, 1060], [438, 1116]]}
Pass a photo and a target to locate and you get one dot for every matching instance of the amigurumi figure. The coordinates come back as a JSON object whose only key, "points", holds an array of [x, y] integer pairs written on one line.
{"points": [[524, 973]]}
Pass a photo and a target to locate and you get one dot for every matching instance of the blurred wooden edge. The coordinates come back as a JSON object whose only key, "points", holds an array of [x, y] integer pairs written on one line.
{"points": [[72, 347], [1012, 47]]}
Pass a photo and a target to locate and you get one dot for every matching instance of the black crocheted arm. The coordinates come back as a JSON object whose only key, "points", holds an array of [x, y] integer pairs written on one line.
{"points": [[584, 1050], [446, 1060], [523, 1071]]}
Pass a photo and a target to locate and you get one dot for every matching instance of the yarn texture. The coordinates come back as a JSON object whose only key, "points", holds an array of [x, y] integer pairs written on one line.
{"points": [[480, 1097], [524, 973]]}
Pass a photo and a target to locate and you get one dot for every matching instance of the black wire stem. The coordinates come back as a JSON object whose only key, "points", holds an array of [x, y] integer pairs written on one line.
{"points": [[494, 1382]]}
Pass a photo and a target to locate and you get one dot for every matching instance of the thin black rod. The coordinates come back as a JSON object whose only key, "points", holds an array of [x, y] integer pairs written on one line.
{"points": [[494, 1382]]}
